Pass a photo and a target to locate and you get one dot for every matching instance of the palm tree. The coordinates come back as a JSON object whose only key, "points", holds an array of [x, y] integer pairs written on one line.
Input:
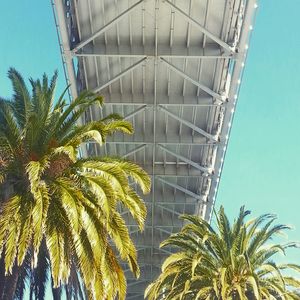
{"points": [[56, 202], [231, 262]]}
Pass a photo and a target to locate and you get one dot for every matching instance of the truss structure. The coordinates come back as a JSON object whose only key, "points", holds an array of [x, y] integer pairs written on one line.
{"points": [[173, 68]]}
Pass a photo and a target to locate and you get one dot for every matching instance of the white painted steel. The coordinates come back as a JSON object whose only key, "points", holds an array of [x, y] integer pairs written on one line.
{"points": [[173, 68]]}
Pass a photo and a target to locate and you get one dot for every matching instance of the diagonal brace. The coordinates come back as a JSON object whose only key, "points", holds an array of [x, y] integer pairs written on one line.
{"points": [[132, 114], [169, 210], [211, 137], [123, 73], [107, 26], [182, 189], [200, 85], [134, 150], [136, 283], [188, 161], [200, 27]]}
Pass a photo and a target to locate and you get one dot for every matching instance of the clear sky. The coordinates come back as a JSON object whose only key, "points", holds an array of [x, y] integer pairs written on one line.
{"points": [[263, 159], [261, 168], [28, 41]]}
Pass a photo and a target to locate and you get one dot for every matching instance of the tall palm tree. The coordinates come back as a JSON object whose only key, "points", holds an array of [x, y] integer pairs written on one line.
{"points": [[56, 202], [229, 262]]}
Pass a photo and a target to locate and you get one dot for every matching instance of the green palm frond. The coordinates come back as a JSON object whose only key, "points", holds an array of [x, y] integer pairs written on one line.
{"points": [[84, 100], [60, 214], [10, 132], [229, 262], [21, 100], [132, 170], [25, 233]]}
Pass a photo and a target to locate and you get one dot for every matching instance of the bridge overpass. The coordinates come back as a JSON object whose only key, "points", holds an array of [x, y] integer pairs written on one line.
{"points": [[173, 68]]}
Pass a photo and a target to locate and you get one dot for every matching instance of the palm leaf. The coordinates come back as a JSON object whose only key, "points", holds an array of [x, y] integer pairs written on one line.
{"points": [[229, 262], [21, 98], [61, 211]]}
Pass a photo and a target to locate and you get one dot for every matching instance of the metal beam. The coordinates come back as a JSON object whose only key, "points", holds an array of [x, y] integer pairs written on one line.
{"points": [[64, 40], [200, 85], [189, 124], [134, 150], [172, 211], [169, 232], [180, 188], [177, 203], [179, 176], [165, 251], [156, 226], [162, 98], [150, 143], [165, 162], [136, 283], [132, 114], [134, 296], [200, 27], [154, 114], [174, 202], [236, 75], [129, 69], [206, 66], [164, 104], [65, 47], [208, 171], [107, 26], [114, 50], [126, 99]]}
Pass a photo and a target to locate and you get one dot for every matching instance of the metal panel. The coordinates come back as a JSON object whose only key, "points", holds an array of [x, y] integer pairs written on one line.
{"points": [[173, 68]]}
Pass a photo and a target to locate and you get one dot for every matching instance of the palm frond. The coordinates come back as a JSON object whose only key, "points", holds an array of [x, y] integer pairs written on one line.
{"points": [[21, 100], [229, 262], [60, 218]]}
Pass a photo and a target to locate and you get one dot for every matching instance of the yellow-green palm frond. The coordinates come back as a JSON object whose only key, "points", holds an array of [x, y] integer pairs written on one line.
{"points": [[68, 196], [105, 195], [10, 230], [85, 100], [84, 258], [12, 236], [114, 276], [135, 206], [59, 264], [133, 170], [57, 204], [39, 216], [118, 230], [96, 130], [110, 171], [113, 126], [25, 234], [21, 97], [59, 238], [10, 132], [68, 150], [226, 262]]}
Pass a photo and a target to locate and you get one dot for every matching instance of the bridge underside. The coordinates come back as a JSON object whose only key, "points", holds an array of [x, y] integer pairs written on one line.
{"points": [[173, 69]]}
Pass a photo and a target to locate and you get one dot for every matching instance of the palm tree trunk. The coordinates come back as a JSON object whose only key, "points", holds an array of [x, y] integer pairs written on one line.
{"points": [[56, 292], [8, 284], [68, 292], [11, 284], [31, 292], [2, 277]]}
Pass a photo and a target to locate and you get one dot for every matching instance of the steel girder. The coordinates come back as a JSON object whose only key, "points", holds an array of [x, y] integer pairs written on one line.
{"points": [[173, 68]]}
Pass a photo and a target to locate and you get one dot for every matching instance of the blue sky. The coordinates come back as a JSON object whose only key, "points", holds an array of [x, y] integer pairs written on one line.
{"points": [[28, 41], [262, 164]]}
